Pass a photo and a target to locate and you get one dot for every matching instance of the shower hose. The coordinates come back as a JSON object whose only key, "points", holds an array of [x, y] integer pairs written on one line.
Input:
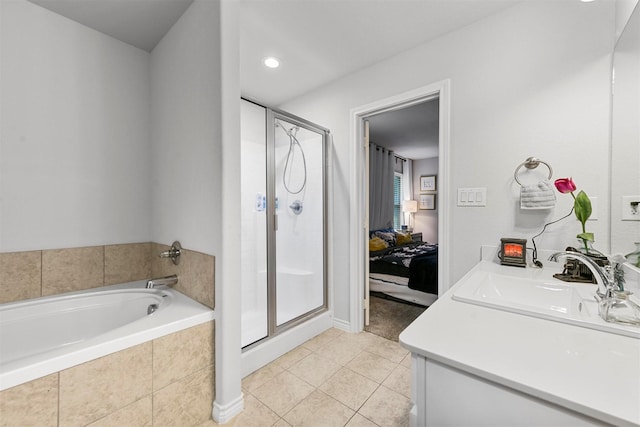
{"points": [[293, 142]]}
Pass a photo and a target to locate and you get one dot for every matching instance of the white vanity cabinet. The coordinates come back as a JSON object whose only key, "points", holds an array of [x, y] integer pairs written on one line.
{"points": [[474, 365], [445, 396]]}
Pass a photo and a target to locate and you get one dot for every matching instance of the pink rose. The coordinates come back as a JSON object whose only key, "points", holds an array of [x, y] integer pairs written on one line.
{"points": [[565, 185]]}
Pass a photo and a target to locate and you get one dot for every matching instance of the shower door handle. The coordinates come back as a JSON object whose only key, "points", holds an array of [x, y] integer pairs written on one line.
{"points": [[275, 222]]}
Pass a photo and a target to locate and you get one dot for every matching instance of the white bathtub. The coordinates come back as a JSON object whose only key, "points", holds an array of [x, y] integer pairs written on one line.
{"points": [[44, 335]]}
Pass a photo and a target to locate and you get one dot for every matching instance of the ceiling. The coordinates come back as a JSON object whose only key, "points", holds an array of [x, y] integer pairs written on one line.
{"points": [[317, 42], [411, 132], [141, 23]]}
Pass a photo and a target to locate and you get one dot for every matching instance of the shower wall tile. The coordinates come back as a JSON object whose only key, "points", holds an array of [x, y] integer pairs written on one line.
{"points": [[100, 387], [180, 354], [20, 275], [186, 402], [138, 414], [127, 262], [31, 404], [195, 273], [65, 270]]}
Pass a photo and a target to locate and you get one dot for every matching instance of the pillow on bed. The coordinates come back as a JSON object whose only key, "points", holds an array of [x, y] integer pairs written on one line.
{"points": [[389, 237], [377, 244], [403, 238], [372, 233]]}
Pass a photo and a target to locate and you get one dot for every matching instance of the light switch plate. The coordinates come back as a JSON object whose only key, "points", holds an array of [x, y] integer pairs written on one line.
{"points": [[472, 197]]}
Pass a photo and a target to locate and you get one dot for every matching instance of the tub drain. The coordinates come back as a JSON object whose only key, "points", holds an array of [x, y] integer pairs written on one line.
{"points": [[152, 308]]}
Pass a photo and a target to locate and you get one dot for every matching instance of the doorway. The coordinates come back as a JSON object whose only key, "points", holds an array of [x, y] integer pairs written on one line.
{"points": [[403, 149], [360, 302]]}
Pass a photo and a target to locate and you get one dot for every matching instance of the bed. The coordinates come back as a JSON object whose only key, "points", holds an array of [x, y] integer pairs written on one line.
{"points": [[406, 268]]}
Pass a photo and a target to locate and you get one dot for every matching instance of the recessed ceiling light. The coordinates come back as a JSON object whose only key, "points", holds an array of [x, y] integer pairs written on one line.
{"points": [[586, 1], [272, 62]]}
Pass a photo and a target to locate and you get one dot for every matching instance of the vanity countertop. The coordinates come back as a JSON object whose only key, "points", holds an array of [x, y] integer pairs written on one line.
{"points": [[589, 371]]}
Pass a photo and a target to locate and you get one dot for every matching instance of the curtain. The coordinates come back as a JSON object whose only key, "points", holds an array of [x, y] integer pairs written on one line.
{"points": [[407, 185], [381, 163]]}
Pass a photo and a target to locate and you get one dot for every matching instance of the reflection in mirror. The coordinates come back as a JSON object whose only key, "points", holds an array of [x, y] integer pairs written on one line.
{"points": [[625, 138]]}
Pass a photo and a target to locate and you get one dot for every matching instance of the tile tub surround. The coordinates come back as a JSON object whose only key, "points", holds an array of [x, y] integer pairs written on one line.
{"points": [[20, 276], [33, 274], [148, 384], [195, 273]]}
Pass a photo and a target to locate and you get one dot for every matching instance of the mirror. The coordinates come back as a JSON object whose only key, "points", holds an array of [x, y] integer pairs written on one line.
{"points": [[625, 137]]}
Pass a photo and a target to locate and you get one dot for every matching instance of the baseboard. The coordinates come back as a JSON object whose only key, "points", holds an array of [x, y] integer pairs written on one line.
{"points": [[342, 325], [256, 357], [224, 413]]}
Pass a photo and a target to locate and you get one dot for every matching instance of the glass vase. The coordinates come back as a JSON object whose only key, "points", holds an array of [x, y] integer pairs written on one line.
{"points": [[620, 307], [634, 257], [585, 247]]}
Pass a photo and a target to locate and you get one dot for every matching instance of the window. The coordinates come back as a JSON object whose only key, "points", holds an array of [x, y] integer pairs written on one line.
{"points": [[397, 201]]}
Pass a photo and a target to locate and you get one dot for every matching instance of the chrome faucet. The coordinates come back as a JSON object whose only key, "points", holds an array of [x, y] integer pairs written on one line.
{"points": [[606, 285], [168, 280], [614, 303]]}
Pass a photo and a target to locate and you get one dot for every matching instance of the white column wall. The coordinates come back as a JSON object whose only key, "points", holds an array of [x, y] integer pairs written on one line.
{"points": [[186, 178], [196, 164]]}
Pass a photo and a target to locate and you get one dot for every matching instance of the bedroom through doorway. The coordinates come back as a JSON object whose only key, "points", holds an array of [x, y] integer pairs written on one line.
{"points": [[402, 188]]}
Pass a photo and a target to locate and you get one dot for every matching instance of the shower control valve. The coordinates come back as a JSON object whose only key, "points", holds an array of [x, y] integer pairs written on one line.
{"points": [[173, 253], [296, 207]]}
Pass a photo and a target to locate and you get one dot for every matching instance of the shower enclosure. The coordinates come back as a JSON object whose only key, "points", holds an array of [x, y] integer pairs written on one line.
{"points": [[283, 275]]}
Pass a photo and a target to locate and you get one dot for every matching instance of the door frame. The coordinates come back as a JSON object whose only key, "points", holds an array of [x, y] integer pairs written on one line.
{"points": [[359, 186]]}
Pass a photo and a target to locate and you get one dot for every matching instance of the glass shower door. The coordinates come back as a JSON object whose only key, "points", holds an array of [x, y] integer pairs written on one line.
{"points": [[282, 220], [300, 228]]}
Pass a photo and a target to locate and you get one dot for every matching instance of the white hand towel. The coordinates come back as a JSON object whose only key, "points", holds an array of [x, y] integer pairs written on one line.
{"points": [[537, 196]]}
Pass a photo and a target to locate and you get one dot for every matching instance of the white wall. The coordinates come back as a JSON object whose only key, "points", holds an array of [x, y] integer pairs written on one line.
{"points": [[426, 221], [530, 81], [186, 178], [74, 144], [103, 143], [624, 9]]}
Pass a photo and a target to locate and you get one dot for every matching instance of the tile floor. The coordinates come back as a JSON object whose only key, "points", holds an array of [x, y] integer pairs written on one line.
{"points": [[334, 379]]}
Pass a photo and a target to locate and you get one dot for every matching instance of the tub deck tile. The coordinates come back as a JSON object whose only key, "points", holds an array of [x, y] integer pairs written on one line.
{"points": [[100, 387], [31, 404], [182, 353]]}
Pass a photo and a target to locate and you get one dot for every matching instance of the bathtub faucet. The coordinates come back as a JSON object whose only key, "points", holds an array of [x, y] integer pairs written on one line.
{"points": [[168, 280]]}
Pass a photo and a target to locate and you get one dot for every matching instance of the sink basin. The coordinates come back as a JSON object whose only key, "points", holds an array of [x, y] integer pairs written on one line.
{"points": [[534, 293]]}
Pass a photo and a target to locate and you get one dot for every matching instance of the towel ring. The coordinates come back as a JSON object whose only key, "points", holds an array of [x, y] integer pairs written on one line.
{"points": [[531, 163]]}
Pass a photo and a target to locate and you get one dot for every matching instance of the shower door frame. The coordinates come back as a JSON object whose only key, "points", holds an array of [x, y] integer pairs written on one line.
{"points": [[271, 222]]}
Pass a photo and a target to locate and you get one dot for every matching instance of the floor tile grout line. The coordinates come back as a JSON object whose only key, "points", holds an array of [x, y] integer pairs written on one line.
{"points": [[363, 348]]}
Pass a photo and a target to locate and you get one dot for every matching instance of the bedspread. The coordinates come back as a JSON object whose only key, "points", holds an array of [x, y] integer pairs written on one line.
{"points": [[417, 261]]}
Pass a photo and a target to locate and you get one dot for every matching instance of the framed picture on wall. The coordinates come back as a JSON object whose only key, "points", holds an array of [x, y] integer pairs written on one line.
{"points": [[428, 183], [427, 202]]}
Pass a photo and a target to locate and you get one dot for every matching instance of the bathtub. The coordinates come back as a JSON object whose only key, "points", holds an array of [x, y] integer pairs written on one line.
{"points": [[44, 335]]}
